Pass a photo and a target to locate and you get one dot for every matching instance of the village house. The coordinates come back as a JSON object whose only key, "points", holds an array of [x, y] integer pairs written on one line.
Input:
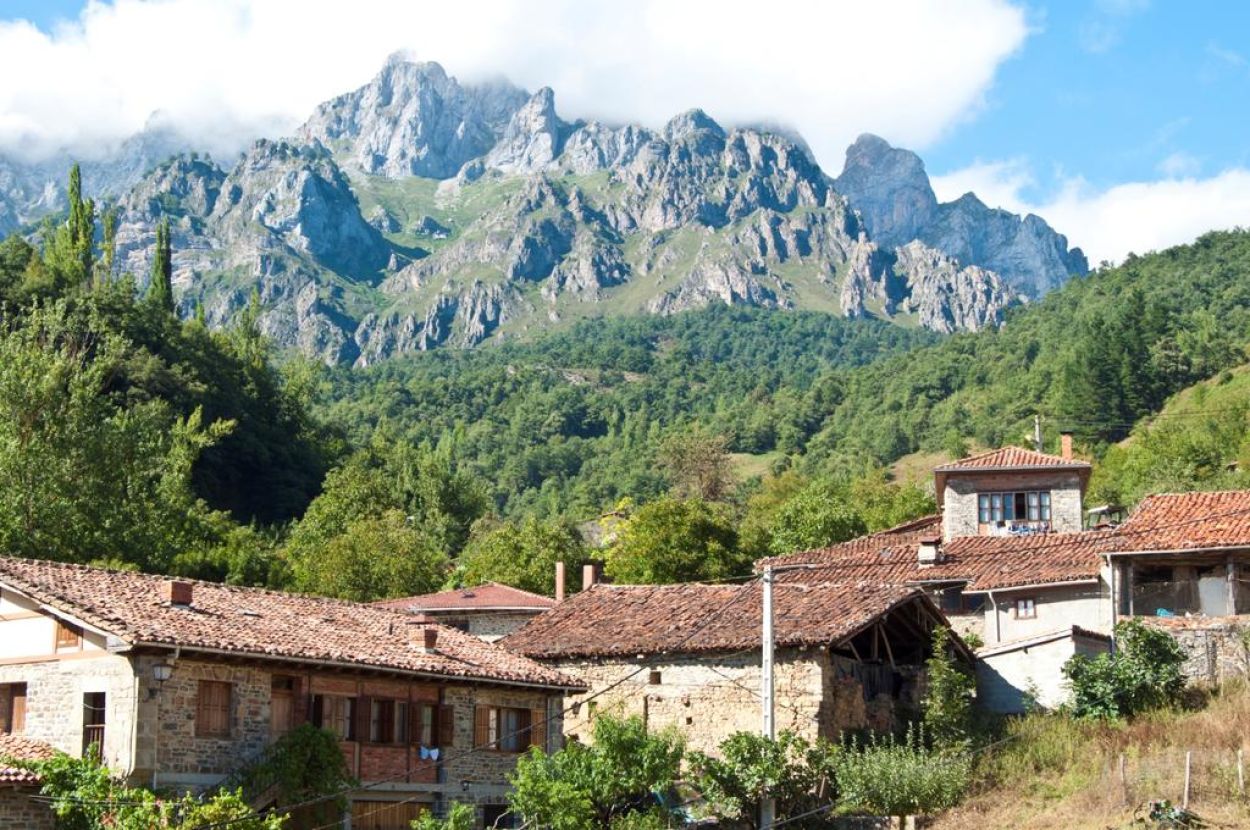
{"points": [[19, 807], [689, 656], [180, 684], [1009, 561], [490, 611]]}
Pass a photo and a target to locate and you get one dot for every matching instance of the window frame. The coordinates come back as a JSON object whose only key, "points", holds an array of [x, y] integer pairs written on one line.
{"points": [[213, 718], [68, 636], [1032, 608], [14, 722], [333, 712], [1033, 506]]}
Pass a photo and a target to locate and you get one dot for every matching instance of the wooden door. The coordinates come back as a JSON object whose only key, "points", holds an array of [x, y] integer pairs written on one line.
{"points": [[384, 815]]}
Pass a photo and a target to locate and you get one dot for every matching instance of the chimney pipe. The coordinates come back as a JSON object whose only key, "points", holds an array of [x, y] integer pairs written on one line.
{"points": [[177, 592], [1065, 445], [588, 577], [559, 582], [429, 640]]}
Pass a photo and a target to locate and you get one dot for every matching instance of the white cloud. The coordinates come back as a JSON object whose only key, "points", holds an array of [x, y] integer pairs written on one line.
{"points": [[1179, 165], [230, 69], [1110, 223]]}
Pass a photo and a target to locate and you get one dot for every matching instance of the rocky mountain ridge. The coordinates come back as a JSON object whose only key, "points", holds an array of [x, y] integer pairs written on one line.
{"points": [[490, 216]]}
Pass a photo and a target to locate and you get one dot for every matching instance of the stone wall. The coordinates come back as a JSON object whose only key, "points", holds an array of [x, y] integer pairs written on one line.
{"points": [[1217, 649], [18, 811], [959, 508], [188, 760], [709, 697], [487, 625], [54, 702]]}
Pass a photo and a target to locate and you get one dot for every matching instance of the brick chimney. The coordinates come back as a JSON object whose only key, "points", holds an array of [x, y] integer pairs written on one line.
{"points": [[1065, 445], [429, 640], [588, 577], [177, 592], [559, 582]]}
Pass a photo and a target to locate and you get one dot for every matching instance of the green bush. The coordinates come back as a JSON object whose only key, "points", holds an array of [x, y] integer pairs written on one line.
{"points": [[900, 777], [1143, 673], [948, 698]]}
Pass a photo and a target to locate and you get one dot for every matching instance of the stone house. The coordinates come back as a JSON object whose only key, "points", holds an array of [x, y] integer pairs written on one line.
{"points": [[490, 611], [689, 655], [18, 810], [181, 684], [1008, 560]]}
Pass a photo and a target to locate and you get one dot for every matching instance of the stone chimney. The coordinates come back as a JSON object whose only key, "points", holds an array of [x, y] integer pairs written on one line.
{"points": [[929, 550], [588, 577], [177, 592], [1065, 445], [559, 582]]}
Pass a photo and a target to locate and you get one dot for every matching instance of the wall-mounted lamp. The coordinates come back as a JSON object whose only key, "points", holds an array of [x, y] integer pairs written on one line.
{"points": [[160, 673], [465, 784]]}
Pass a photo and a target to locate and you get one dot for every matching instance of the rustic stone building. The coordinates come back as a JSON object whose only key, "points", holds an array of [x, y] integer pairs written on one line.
{"points": [[688, 656], [490, 611], [181, 683], [19, 807]]}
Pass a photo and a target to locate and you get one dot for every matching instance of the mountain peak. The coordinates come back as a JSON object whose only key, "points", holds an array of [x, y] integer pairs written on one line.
{"points": [[689, 123], [890, 189]]}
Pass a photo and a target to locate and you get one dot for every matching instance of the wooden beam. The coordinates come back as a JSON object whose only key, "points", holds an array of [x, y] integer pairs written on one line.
{"points": [[889, 651]]}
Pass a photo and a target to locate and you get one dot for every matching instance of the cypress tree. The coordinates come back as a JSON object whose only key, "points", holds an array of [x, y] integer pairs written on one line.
{"points": [[109, 245], [161, 288]]}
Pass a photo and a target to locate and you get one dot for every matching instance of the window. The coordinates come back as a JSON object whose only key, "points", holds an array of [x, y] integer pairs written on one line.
{"points": [[212, 717], [12, 708], [387, 719], [337, 714], [1026, 506], [68, 635], [507, 729], [93, 711], [1026, 609], [282, 704]]}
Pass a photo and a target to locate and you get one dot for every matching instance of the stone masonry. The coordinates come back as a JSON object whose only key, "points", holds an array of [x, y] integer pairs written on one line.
{"points": [[959, 511]]}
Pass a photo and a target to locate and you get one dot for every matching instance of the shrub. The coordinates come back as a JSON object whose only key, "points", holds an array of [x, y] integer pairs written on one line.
{"points": [[948, 698], [1143, 673], [748, 766], [889, 776]]}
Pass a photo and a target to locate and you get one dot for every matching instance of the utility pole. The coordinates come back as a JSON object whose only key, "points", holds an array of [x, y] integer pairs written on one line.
{"points": [[768, 805], [1037, 433]]}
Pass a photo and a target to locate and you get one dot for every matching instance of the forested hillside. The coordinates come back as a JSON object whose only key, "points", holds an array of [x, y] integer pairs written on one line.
{"points": [[697, 442], [573, 421]]}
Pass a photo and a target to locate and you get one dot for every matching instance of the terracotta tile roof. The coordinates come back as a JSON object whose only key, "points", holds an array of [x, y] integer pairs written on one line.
{"points": [[488, 597], [266, 624], [17, 748], [627, 620], [984, 562], [1188, 521], [1010, 458]]}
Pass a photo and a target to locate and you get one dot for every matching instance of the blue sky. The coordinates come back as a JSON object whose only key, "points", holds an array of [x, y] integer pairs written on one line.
{"points": [[1125, 123]]}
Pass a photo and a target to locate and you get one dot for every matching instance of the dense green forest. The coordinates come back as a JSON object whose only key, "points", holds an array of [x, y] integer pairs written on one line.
{"points": [[696, 442]]}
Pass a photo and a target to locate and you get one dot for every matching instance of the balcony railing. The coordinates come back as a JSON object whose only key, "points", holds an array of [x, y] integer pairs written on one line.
{"points": [[93, 735]]}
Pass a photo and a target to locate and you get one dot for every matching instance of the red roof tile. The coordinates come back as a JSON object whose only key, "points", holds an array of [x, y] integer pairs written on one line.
{"points": [[1188, 521], [1010, 458], [266, 624], [17, 748], [984, 562], [488, 597], [626, 620]]}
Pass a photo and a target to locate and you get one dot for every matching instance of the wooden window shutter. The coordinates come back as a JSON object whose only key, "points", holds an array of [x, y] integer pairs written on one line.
{"points": [[481, 727], [364, 708], [317, 711], [415, 726], [445, 725], [538, 728], [17, 725]]}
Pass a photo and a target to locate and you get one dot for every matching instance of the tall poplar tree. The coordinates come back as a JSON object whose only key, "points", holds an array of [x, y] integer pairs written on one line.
{"points": [[161, 289]]}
